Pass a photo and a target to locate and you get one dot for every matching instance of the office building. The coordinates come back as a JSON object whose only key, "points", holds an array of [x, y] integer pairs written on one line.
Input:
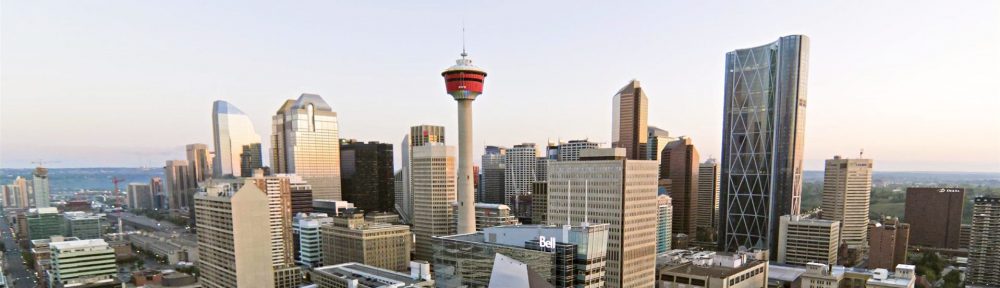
{"points": [[302, 201], [904, 277], [331, 207], [180, 185], [279, 225], [564, 256], [82, 225], [628, 121], [231, 130], [307, 238], [888, 243], [493, 174], [40, 186], [230, 223], [664, 229], [679, 163], [43, 223], [419, 135], [199, 161], [156, 189], [23, 190], [433, 184], [140, 196], [763, 141], [82, 263], [804, 240], [847, 187], [350, 275], [425, 134], [352, 239], [656, 140], [707, 218], [489, 215], [935, 216], [605, 187], [305, 141], [570, 151], [539, 202], [683, 268], [251, 159], [367, 175], [984, 258], [520, 164]]}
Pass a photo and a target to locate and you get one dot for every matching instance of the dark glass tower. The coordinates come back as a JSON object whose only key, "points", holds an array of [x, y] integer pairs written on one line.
{"points": [[762, 141], [367, 177]]}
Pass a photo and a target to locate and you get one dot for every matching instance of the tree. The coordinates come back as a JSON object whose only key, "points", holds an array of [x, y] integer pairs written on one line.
{"points": [[953, 279]]}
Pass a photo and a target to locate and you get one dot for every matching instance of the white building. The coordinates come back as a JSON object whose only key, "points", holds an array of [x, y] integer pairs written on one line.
{"points": [[520, 164], [802, 240], [307, 228], [82, 262]]}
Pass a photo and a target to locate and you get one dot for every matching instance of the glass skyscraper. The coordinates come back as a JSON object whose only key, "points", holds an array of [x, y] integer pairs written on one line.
{"points": [[305, 141], [231, 130], [762, 145]]}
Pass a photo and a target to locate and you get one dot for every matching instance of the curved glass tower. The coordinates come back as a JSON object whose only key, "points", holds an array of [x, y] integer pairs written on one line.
{"points": [[231, 132], [763, 138]]}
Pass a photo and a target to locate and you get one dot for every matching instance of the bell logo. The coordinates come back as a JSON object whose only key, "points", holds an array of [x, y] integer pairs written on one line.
{"points": [[549, 243]]}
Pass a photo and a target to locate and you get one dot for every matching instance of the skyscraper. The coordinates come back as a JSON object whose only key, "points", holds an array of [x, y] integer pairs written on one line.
{"points": [[305, 141], [419, 135], [570, 151], [156, 189], [231, 129], [140, 196], [708, 201], [847, 187], [762, 141], [433, 184], [935, 216], [279, 203], [180, 184], [366, 175], [493, 174], [984, 257], [665, 210], [201, 165], [657, 139], [40, 185], [464, 82], [229, 224], [679, 163], [251, 158], [628, 120], [520, 163], [605, 187]]}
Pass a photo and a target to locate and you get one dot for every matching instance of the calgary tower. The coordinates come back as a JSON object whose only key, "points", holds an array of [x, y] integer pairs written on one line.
{"points": [[464, 82]]}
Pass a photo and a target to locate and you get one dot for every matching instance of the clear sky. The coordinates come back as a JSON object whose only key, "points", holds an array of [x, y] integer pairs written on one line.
{"points": [[128, 83]]}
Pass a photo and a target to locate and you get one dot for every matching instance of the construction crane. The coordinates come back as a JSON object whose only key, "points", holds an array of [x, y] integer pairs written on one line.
{"points": [[118, 195]]}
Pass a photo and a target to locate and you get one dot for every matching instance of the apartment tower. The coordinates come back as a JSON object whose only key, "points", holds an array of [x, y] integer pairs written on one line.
{"points": [[984, 258], [229, 224], [40, 186]]}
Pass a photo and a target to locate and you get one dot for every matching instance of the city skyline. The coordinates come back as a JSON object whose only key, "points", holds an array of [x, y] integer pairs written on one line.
{"points": [[102, 68]]}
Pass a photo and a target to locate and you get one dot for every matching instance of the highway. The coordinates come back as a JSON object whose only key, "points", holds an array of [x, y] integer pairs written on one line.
{"points": [[18, 275]]}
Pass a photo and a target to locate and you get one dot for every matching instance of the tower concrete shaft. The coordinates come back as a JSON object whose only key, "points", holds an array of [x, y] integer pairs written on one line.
{"points": [[464, 82]]}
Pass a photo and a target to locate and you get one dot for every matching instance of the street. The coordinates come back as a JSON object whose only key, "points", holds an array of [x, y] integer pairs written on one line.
{"points": [[13, 265]]}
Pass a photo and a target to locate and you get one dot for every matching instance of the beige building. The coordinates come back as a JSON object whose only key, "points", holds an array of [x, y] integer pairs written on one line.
{"points": [[357, 275], [801, 240], [305, 141], [822, 276], [604, 187], [352, 239], [230, 225], [433, 183], [711, 270], [984, 258], [539, 202], [708, 201], [628, 121], [279, 203], [489, 215], [847, 187]]}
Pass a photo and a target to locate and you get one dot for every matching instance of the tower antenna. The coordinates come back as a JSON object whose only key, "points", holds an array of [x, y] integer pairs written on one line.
{"points": [[463, 39]]}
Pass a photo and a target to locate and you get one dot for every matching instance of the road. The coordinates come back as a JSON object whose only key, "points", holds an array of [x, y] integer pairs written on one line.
{"points": [[14, 268]]}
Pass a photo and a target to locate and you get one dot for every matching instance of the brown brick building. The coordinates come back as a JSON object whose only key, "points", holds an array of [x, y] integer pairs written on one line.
{"points": [[935, 216], [888, 243]]}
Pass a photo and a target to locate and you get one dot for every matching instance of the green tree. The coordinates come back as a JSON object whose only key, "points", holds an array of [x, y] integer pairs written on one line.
{"points": [[953, 279]]}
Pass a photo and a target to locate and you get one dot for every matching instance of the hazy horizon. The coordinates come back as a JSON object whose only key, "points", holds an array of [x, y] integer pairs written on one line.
{"points": [[128, 84]]}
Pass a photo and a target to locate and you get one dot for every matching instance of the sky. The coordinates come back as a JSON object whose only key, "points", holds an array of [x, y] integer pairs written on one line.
{"points": [[129, 83]]}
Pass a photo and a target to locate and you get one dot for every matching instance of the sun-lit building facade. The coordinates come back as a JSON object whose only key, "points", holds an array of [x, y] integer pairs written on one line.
{"points": [[305, 141], [231, 130]]}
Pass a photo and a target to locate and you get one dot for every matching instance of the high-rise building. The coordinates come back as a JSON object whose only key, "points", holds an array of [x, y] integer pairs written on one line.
{"points": [[847, 187], [40, 185], [301, 194], [180, 184], [308, 238], [984, 258], [83, 263], [464, 82], [419, 135], [708, 201], [231, 130], [251, 159], [563, 256], [352, 239], [657, 139], [539, 202], [935, 216], [570, 151], [605, 187], [679, 163], [24, 201], [888, 244], [279, 207], [332, 208], [201, 165], [156, 189], [305, 141], [43, 223], [82, 225], [424, 134], [520, 163], [804, 240], [229, 224], [762, 141], [664, 211], [493, 174], [433, 184], [366, 175], [140, 196], [628, 121]]}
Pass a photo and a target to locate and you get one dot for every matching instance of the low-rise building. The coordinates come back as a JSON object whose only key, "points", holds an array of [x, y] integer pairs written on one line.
{"points": [[802, 240], [308, 238], [351, 275], [904, 277], [81, 263], [43, 223], [352, 239], [173, 248], [684, 268], [42, 254], [82, 225]]}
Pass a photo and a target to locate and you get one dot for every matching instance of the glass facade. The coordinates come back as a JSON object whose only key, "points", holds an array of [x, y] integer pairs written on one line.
{"points": [[470, 263], [763, 134], [305, 141], [231, 131]]}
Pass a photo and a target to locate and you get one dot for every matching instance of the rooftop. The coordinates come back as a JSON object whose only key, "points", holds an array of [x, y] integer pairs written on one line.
{"points": [[367, 275], [78, 244]]}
